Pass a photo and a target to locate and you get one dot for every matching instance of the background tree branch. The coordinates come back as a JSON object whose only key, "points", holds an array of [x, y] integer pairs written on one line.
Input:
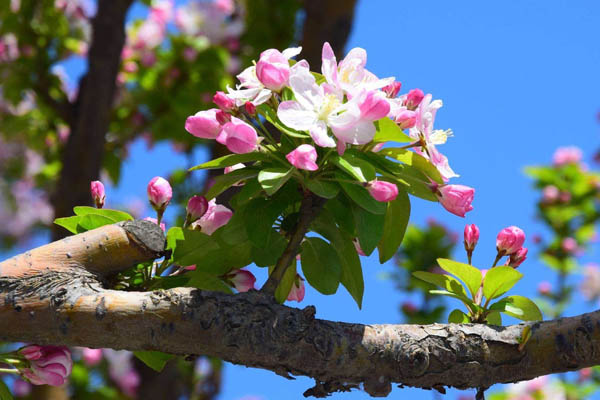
{"points": [[54, 295]]}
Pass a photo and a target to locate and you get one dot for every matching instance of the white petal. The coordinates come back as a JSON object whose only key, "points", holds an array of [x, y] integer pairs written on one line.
{"points": [[292, 114], [305, 88], [291, 52], [361, 132], [318, 132], [329, 64], [262, 96]]}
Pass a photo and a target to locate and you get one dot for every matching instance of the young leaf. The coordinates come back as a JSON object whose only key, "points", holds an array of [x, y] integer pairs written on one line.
{"points": [[413, 159], [470, 275], [499, 280], [284, 287], [361, 196], [341, 210], [93, 221], [519, 307], [231, 159], [494, 318], [69, 223], [394, 227], [369, 228], [355, 167], [327, 190], [472, 306], [115, 215], [272, 179], [189, 246], [225, 181], [205, 281], [388, 131], [321, 265], [268, 253], [458, 317], [443, 281], [154, 359]]}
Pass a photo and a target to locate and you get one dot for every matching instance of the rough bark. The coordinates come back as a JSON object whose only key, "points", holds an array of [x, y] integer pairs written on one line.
{"points": [[54, 295], [82, 156]]}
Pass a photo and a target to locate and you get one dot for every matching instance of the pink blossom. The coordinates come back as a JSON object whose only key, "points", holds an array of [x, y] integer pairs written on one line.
{"points": [[130, 67], [21, 388], [128, 382], [233, 168], [148, 59], [567, 155], [155, 221], [297, 291], [273, 69], [392, 89], [373, 106], [569, 245], [359, 250], [382, 191], [196, 207], [223, 117], [409, 308], [215, 217], [510, 239], [456, 199], [91, 357], [225, 6], [161, 11], [159, 193], [239, 137], [242, 280], [49, 365], [250, 108], [303, 157], [471, 236], [406, 119], [544, 288], [190, 53], [98, 194], [414, 98], [590, 285], [204, 124], [550, 194], [517, 257], [223, 101]]}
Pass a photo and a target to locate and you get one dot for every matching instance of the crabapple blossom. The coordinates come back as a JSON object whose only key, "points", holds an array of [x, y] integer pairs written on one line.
{"points": [[298, 289], [567, 155], [196, 207], [234, 167], [155, 221], [471, 236], [359, 250], [392, 89], [91, 357], [590, 284], [239, 137], [204, 124], [382, 191], [223, 101], [98, 194], [242, 280], [509, 240], [215, 217], [273, 69], [159, 193], [569, 245], [456, 199], [303, 157], [48, 365], [517, 257], [414, 98]]}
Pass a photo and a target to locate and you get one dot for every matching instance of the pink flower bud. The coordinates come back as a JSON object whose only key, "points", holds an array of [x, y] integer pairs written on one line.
{"points": [[510, 239], [196, 207], [130, 67], [550, 194], [159, 193], [223, 101], [204, 124], [148, 59], [409, 308], [32, 352], [456, 199], [517, 257], [392, 89], [374, 106], [569, 245], [297, 291], [242, 280], [406, 119], [98, 194], [273, 69], [544, 288], [250, 108], [567, 155], [378, 147], [471, 236], [154, 221], [382, 191], [233, 168], [223, 117], [21, 388], [414, 98], [190, 53], [215, 217], [303, 157], [51, 367], [91, 357], [359, 250], [239, 137]]}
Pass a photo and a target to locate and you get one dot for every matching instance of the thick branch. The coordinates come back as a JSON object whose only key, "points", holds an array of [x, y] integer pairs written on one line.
{"points": [[59, 300]]}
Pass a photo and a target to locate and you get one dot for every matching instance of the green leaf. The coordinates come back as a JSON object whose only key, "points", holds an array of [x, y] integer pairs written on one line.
{"points": [[268, 253], [231, 159], [352, 276], [190, 246], [341, 209], [93, 221], [355, 167], [388, 131], [154, 359], [327, 190], [413, 159], [225, 181], [363, 198], [272, 179], [320, 265], [519, 307], [470, 275], [465, 300], [4, 392], [284, 287], [394, 227], [115, 215], [458, 317], [494, 318], [206, 281], [69, 223], [259, 216], [443, 281], [499, 280], [369, 228]]}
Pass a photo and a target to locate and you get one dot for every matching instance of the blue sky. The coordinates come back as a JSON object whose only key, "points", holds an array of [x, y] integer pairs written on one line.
{"points": [[518, 79]]}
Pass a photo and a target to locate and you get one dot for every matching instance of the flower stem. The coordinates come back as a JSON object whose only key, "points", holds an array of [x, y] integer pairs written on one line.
{"points": [[9, 371]]}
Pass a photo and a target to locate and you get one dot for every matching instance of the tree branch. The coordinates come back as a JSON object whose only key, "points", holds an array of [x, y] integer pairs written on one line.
{"points": [[54, 295]]}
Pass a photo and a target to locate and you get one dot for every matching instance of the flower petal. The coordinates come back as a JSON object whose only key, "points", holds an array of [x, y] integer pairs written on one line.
{"points": [[318, 132], [292, 114]]}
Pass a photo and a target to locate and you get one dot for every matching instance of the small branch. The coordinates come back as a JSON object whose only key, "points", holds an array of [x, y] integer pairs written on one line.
{"points": [[309, 209]]}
